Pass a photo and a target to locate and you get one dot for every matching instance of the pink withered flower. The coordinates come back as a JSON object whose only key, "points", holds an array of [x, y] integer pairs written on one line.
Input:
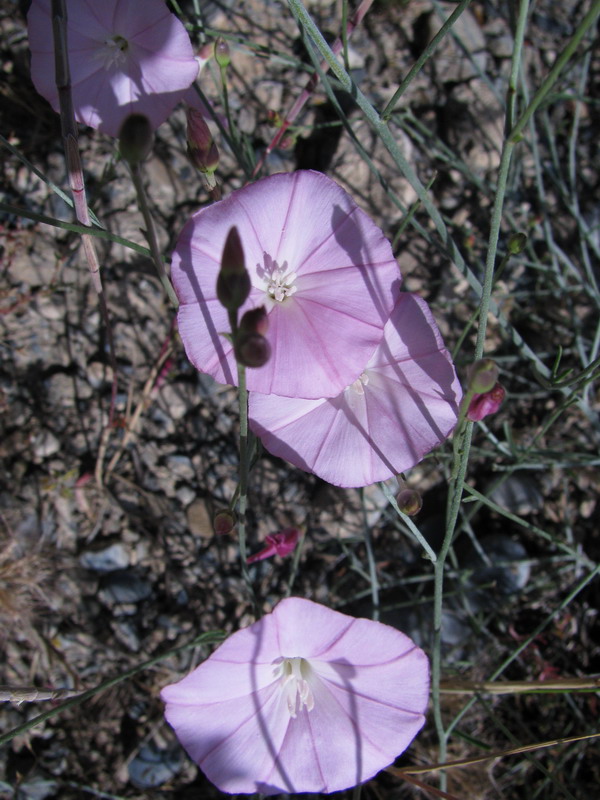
{"points": [[277, 544], [322, 269], [487, 403], [305, 700], [404, 403], [123, 59]]}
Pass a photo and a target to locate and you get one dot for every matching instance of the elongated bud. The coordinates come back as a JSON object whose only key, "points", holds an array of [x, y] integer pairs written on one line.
{"points": [[222, 54], [135, 138], [233, 281], [202, 150], [223, 522], [484, 404], [409, 502], [482, 375]]}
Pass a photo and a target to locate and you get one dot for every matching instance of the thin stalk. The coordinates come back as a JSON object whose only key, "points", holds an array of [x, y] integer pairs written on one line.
{"points": [[373, 580], [312, 83], [99, 233], [204, 638], [425, 56], [136, 175], [560, 63], [243, 470]]}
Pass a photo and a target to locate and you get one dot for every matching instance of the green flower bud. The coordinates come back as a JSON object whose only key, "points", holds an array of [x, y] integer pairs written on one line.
{"points": [[516, 243], [222, 54], [482, 375]]}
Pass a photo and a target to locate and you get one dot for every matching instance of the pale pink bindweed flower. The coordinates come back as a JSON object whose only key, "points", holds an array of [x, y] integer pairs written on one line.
{"points": [[323, 270], [404, 404], [125, 57], [305, 700]]}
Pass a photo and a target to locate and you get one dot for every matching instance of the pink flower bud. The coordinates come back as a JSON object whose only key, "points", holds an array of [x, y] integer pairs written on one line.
{"points": [[482, 375], [202, 150], [409, 502], [487, 403], [277, 544], [233, 281]]}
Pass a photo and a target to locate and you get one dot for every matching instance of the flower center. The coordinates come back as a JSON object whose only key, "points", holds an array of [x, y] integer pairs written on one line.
{"points": [[281, 285], [113, 53], [358, 387], [293, 675]]}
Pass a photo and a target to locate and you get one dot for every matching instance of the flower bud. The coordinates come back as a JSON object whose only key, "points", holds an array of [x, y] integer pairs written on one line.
{"points": [[202, 150], [484, 404], [516, 243], [135, 138], [224, 522], [255, 320], [233, 281], [252, 350], [482, 375], [409, 502], [222, 54]]}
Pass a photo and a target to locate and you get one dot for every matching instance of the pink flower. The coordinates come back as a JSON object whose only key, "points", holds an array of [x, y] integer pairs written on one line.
{"points": [[123, 59], [324, 272], [305, 700], [278, 544], [484, 404], [404, 403]]}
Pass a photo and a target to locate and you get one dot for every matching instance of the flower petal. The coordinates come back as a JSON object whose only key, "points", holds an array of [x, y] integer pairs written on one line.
{"points": [[346, 279], [405, 404], [368, 687], [156, 68]]}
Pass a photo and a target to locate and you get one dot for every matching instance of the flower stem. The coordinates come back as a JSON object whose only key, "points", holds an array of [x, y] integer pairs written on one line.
{"points": [[370, 558], [136, 175], [244, 469]]}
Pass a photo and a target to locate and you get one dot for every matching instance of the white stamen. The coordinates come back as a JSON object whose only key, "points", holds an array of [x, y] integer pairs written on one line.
{"points": [[114, 51], [294, 674], [358, 386], [281, 285]]}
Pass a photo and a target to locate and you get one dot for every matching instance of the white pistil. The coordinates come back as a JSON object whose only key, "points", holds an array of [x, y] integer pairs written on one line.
{"points": [[281, 285], [293, 675]]}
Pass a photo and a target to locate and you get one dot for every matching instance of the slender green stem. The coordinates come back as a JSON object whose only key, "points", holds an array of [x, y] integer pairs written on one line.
{"points": [[425, 56], [370, 557], [204, 638], [74, 227], [136, 175], [560, 63], [244, 469]]}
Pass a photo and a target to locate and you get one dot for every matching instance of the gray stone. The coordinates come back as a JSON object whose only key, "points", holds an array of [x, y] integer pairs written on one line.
{"points": [[109, 559]]}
